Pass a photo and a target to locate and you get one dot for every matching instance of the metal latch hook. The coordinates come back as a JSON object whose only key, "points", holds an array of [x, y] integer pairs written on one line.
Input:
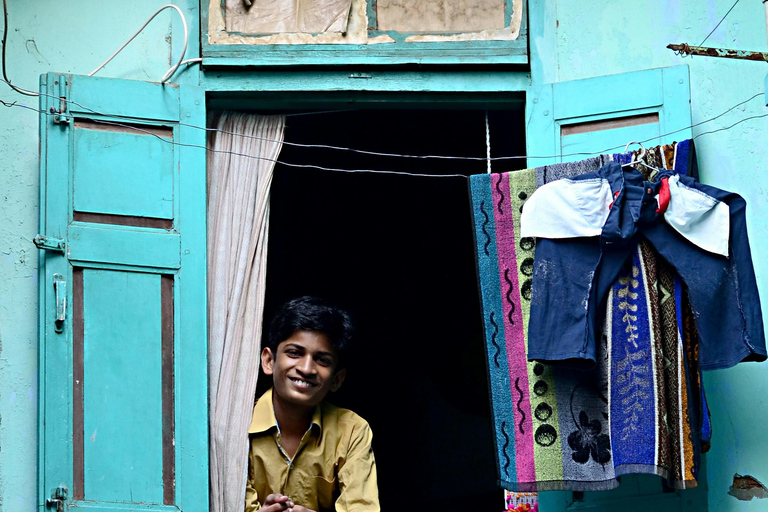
{"points": [[58, 499], [60, 289]]}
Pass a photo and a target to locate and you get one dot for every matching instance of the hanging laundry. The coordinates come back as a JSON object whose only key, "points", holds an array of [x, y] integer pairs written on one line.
{"points": [[609, 210], [679, 156], [553, 172], [505, 267], [649, 344], [552, 423]]}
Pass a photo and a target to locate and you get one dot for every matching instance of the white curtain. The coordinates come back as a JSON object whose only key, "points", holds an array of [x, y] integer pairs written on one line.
{"points": [[240, 169]]}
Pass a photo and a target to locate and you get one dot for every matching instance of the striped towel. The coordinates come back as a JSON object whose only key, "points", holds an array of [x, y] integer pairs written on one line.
{"points": [[558, 428]]}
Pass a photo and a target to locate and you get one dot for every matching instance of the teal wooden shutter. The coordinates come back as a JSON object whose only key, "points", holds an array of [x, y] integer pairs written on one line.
{"points": [[123, 364], [569, 121]]}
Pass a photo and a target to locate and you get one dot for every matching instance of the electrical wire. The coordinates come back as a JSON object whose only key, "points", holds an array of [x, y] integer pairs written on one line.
{"points": [[375, 153], [315, 112], [437, 157], [171, 72], [173, 69], [295, 144], [5, 40], [733, 107], [731, 126], [719, 22], [168, 74], [473, 158], [288, 164], [311, 166]]}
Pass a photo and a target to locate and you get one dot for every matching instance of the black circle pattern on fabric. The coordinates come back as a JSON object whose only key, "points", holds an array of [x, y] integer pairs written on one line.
{"points": [[543, 411], [526, 267], [527, 243], [525, 290], [545, 435]]}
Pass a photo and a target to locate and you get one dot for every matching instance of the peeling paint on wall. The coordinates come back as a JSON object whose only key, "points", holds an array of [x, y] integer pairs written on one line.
{"points": [[439, 15], [506, 34], [747, 487], [357, 28], [279, 16], [509, 33]]}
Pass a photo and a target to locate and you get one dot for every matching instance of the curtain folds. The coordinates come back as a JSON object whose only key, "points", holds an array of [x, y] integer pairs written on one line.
{"points": [[240, 169]]}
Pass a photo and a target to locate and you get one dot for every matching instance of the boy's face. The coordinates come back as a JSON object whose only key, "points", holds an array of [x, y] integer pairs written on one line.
{"points": [[303, 369]]}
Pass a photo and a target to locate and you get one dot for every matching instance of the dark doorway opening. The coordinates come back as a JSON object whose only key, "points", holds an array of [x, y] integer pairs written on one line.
{"points": [[397, 251]]}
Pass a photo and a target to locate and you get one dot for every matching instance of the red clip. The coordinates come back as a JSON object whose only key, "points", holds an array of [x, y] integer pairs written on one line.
{"points": [[615, 196], [663, 196]]}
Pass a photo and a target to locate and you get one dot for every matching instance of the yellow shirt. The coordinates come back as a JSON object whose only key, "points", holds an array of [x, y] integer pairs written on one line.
{"points": [[333, 468]]}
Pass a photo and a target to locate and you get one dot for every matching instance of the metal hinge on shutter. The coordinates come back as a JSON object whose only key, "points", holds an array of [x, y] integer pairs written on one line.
{"points": [[61, 114], [58, 499], [49, 243]]}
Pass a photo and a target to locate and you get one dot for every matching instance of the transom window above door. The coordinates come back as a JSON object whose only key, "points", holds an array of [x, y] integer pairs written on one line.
{"points": [[289, 32]]}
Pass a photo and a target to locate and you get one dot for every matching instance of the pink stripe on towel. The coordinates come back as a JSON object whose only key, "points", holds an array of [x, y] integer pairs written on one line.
{"points": [[513, 328]]}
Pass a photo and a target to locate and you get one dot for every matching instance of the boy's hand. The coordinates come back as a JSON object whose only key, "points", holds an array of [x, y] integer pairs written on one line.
{"points": [[277, 503]]}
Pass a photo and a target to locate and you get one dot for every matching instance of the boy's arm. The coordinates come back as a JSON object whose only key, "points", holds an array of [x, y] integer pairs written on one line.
{"points": [[251, 496], [359, 491]]}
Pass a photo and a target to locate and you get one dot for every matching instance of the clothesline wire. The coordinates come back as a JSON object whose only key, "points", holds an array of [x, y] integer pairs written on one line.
{"points": [[731, 126], [311, 166], [444, 157], [448, 157], [289, 164], [719, 22], [440, 157], [315, 112]]}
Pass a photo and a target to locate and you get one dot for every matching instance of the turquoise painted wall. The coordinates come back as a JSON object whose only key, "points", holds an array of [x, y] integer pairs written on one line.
{"points": [[72, 36], [571, 41], [568, 41]]}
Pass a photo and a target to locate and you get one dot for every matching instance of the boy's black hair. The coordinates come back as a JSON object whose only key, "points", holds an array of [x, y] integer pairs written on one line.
{"points": [[312, 314]]}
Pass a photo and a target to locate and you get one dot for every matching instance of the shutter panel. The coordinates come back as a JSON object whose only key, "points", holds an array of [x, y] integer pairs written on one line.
{"points": [[592, 115], [601, 115], [123, 364]]}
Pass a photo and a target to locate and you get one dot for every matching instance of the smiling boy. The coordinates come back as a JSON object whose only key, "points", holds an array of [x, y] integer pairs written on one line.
{"points": [[305, 454]]}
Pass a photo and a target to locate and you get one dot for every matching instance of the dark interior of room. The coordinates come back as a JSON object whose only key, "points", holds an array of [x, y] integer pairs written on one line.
{"points": [[397, 252]]}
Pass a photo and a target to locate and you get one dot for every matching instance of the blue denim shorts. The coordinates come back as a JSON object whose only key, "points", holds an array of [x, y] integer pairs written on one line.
{"points": [[572, 277]]}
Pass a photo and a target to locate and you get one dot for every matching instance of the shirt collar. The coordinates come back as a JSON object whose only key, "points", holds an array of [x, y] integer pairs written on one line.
{"points": [[264, 419]]}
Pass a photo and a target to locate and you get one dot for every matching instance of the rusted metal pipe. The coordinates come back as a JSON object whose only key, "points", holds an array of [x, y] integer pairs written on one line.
{"points": [[725, 53]]}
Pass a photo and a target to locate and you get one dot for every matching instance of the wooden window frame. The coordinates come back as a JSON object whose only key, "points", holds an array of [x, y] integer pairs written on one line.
{"points": [[510, 52]]}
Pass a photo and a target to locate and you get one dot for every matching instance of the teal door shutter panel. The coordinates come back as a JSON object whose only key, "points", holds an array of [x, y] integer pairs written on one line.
{"points": [[123, 334], [570, 121]]}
